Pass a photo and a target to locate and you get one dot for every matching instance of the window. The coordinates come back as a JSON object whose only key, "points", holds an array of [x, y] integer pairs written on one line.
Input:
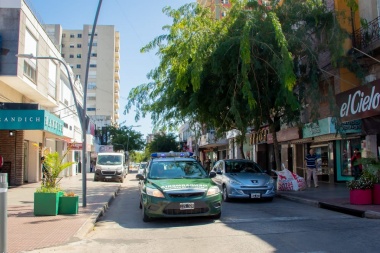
{"points": [[71, 45], [79, 45], [78, 66], [30, 48], [71, 56], [79, 35], [63, 55], [94, 55], [52, 89], [72, 36], [77, 77], [92, 65], [91, 98], [94, 44], [63, 45], [91, 109], [64, 35], [91, 86], [79, 56]]}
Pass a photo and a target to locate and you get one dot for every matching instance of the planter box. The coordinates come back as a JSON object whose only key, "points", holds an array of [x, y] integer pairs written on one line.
{"points": [[376, 194], [361, 197], [46, 204], [68, 205]]}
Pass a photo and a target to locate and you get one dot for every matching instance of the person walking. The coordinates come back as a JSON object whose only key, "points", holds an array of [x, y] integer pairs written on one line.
{"points": [[311, 168], [356, 164]]}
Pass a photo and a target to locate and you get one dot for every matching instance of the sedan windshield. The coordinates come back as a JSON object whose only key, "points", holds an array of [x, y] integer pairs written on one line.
{"points": [[176, 169], [242, 167]]}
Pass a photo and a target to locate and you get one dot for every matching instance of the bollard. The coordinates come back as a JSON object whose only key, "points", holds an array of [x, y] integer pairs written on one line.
{"points": [[3, 211]]}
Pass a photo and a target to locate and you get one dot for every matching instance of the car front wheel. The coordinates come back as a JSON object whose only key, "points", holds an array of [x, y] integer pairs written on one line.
{"points": [[225, 194], [145, 217]]}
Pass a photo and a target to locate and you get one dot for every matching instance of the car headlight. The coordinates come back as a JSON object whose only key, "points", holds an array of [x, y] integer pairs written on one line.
{"points": [[213, 190], [154, 192], [270, 181], [233, 181]]}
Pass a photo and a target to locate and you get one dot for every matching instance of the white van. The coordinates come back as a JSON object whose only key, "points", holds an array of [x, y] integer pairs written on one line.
{"points": [[110, 166]]}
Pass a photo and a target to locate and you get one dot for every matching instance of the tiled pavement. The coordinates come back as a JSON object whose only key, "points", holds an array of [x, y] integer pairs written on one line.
{"points": [[27, 232]]}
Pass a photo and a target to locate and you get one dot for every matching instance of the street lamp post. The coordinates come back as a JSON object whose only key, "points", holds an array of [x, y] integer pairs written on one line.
{"points": [[81, 113]]}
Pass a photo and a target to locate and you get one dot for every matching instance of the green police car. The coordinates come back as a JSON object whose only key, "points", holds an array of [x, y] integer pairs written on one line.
{"points": [[175, 185]]}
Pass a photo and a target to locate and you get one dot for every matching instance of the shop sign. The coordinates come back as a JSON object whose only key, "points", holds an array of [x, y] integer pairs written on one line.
{"points": [[259, 136], [288, 134], [30, 120], [361, 102], [74, 146], [327, 126]]}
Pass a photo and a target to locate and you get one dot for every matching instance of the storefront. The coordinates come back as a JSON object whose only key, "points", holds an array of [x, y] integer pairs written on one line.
{"points": [[361, 103], [333, 146], [24, 134]]}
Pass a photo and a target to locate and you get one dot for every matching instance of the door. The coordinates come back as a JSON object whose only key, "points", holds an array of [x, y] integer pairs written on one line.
{"points": [[26, 160]]}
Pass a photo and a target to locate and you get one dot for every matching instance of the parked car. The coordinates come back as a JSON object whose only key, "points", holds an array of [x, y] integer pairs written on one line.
{"points": [[239, 178], [141, 168], [176, 185]]}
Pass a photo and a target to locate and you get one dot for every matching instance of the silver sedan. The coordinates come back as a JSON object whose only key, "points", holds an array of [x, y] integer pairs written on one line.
{"points": [[239, 178]]}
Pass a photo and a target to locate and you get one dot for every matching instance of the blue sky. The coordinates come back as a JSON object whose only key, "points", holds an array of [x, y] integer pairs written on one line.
{"points": [[138, 22]]}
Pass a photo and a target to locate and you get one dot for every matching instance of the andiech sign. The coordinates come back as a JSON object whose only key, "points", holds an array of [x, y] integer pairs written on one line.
{"points": [[361, 102]]}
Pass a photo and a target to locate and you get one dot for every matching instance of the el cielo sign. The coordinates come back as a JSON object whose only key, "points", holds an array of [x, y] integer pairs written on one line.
{"points": [[361, 102]]}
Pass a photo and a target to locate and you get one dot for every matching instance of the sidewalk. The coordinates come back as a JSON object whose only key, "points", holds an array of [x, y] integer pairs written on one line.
{"points": [[332, 196], [28, 232]]}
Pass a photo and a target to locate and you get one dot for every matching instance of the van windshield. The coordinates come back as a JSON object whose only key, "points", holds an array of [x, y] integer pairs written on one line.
{"points": [[110, 160]]}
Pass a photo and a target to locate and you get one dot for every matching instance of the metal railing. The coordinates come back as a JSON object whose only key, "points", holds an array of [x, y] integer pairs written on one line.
{"points": [[367, 35]]}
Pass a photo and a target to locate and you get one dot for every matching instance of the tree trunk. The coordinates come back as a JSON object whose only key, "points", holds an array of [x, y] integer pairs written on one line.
{"points": [[275, 147]]}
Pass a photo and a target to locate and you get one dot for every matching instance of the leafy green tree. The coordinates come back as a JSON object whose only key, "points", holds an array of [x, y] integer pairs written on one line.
{"points": [[163, 143], [124, 137], [255, 67]]}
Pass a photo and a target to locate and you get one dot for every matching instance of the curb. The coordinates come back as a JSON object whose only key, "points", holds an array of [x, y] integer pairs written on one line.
{"points": [[314, 203], [332, 207], [89, 225]]}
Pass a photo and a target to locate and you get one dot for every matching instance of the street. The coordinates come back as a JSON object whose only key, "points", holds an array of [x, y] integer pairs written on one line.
{"points": [[245, 226]]}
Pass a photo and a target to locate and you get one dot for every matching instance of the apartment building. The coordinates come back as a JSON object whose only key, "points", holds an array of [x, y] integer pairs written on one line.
{"points": [[103, 86], [37, 109]]}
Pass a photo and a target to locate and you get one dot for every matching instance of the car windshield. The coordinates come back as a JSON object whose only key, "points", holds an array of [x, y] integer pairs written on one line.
{"points": [[176, 169], [143, 165], [110, 160], [242, 167]]}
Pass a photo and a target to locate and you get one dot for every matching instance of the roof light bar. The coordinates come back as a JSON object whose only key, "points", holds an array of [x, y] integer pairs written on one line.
{"points": [[171, 154]]}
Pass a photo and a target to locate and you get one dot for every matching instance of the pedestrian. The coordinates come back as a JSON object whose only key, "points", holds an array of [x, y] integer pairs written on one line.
{"points": [[356, 164], [45, 171], [311, 168], [207, 165]]}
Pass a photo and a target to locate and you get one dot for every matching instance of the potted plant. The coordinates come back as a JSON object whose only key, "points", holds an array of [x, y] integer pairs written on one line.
{"points": [[372, 167], [68, 203], [361, 189], [46, 197]]}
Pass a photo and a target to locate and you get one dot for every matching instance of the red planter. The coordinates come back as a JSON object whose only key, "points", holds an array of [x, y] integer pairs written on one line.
{"points": [[376, 194], [361, 197]]}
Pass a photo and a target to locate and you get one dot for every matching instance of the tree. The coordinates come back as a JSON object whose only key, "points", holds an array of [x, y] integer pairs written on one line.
{"points": [[163, 143], [249, 69], [125, 137]]}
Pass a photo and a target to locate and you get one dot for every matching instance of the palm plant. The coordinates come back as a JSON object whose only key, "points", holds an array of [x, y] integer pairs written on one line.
{"points": [[54, 163]]}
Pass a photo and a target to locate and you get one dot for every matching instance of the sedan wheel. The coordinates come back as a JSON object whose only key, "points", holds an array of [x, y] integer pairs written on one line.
{"points": [[145, 217], [225, 194]]}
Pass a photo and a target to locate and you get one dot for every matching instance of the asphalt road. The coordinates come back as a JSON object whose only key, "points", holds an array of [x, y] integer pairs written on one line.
{"points": [[245, 226]]}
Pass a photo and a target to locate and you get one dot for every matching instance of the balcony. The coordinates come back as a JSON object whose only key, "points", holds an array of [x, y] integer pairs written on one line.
{"points": [[117, 76], [117, 86], [209, 140], [367, 38]]}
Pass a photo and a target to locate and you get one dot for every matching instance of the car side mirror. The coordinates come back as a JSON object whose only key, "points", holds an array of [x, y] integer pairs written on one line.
{"points": [[212, 174], [140, 176]]}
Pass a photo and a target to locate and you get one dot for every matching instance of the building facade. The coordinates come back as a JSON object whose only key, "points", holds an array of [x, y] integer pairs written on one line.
{"points": [[37, 109]]}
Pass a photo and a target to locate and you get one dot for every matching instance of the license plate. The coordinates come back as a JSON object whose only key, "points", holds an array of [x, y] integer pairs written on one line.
{"points": [[255, 195], [108, 177], [186, 206]]}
